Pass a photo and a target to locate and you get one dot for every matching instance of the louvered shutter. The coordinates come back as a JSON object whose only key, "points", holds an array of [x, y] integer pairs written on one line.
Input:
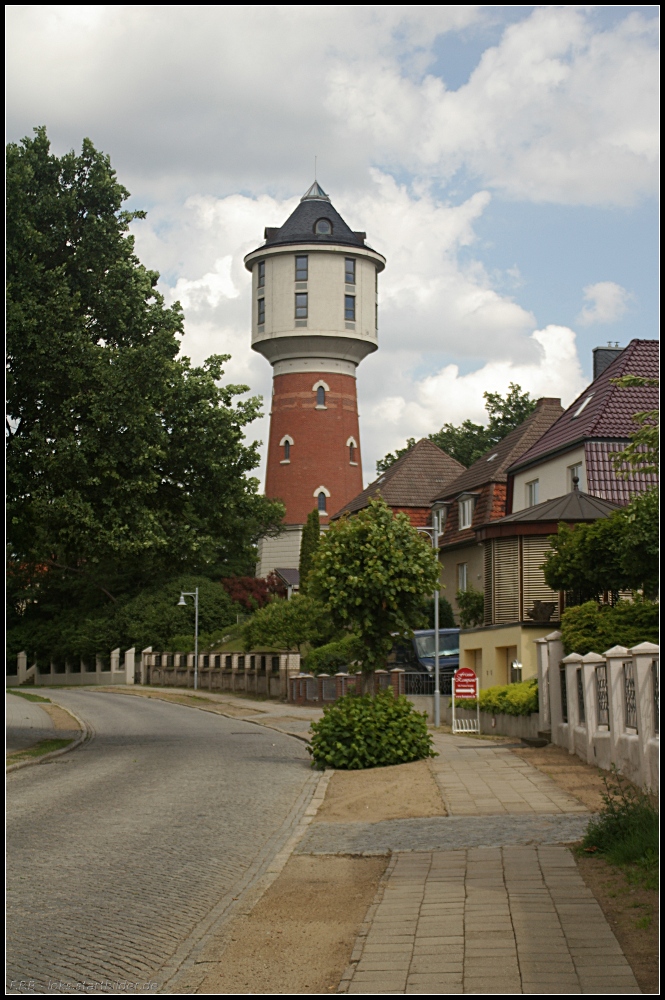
{"points": [[534, 588], [506, 583], [489, 618]]}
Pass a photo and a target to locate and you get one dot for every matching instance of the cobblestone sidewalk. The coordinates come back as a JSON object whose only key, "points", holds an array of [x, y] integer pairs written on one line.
{"points": [[487, 921]]}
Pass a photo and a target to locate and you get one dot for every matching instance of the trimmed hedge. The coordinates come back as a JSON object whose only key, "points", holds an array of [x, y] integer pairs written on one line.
{"points": [[361, 731], [594, 628], [505, 699]]}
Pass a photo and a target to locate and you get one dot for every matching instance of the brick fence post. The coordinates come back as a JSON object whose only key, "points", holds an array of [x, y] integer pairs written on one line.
{"points": [[340, 683], [396, 680]]}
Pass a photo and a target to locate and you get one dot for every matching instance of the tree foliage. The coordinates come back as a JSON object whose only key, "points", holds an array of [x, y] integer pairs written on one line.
{"points": [[252, 592], [595, 628], [288, 624], [372, 572], [469, 441], [309, 543], [125, 464], [471, 604], [615, 553]]}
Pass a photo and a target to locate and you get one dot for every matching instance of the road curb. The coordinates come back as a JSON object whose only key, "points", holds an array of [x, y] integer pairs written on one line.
{"points": [[86, 733]]}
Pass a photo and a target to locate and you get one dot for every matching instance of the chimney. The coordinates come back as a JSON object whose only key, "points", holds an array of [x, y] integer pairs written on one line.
{"points": [[604, 356]]}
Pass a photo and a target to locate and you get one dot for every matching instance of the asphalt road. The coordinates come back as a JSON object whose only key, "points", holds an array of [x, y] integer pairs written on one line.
{"points": [[123, 853]]}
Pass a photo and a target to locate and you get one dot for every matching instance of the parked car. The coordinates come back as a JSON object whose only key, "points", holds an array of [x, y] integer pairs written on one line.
{"points": [[417, 654]]}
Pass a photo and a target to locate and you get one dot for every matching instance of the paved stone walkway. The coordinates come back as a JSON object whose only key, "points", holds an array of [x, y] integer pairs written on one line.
{"points": [[487, 921], [486, 900], [478, 778]]}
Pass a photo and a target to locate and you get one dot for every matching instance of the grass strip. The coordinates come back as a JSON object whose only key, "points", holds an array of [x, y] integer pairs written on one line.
{"points": [[27, 695], [38, 750]]}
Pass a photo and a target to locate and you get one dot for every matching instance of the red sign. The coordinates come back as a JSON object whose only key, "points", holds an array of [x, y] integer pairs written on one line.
{"points": [[466, 683]]}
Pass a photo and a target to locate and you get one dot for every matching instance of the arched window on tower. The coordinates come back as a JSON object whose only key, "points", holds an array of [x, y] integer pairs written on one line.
{"points": [[286, 443], [321, 502], [321, 398], [352, 445]]}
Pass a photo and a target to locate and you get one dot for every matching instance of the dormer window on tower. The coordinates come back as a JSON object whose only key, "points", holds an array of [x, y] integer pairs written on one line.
{"points": [[301, 268], [323, 227]]}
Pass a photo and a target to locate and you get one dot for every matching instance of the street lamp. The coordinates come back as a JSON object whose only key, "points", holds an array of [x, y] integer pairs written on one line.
{"points": [[433, 534], [181, 604]]}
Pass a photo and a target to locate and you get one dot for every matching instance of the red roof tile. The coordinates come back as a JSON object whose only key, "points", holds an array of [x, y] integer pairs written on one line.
{"points": [[603, 481], [412, 481]]}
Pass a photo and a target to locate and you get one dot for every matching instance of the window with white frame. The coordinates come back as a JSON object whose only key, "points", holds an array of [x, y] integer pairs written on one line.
{"points": [[465, 512], [462, 569], [532, 493], [574, 473], [439, 518]]}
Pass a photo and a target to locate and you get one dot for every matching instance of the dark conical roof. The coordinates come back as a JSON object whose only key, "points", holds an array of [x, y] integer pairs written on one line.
{"points": [[300, 227], [573, 506]]}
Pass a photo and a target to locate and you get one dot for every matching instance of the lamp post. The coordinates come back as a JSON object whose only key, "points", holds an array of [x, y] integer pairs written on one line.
{"points": [[433, 534], [181, 604]]}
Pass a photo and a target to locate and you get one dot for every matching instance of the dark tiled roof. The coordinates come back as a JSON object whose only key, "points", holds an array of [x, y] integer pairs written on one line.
{"points": [[490, 469], [574, 506], [291, 577], [603, 410], [299, 227], [602, 479], [412, 481]]}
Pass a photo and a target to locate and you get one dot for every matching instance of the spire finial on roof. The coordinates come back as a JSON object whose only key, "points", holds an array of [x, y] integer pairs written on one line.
{"points": [[315, 192], [576, 484]]}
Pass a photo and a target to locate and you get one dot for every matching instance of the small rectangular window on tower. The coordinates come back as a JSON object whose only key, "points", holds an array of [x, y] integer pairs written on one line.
{"points": [[262, 273], [350, 271], [261, 313], [301, 268], [301, 305], [350, 308]]}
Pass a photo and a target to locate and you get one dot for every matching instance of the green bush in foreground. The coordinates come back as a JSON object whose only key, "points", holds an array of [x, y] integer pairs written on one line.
{"points": [[625, 831], [361, 731], [506, 699]]}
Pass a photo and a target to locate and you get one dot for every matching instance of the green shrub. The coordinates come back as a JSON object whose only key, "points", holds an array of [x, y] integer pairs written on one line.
{"points": [[471, 604], [361, 731], [333, 656], [594, 628], [625, 830], [505, 699]]}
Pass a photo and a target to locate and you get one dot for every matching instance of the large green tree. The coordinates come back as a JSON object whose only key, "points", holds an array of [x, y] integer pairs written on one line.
{"points": [[373, 573], [311, 536], [126, 465], [468, 441]]}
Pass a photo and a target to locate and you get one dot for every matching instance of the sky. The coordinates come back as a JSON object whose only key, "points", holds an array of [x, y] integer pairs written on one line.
{"points": [[503, 158]]}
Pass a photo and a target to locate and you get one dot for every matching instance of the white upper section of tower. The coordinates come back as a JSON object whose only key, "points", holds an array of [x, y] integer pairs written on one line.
{"points": [[314, 291]]}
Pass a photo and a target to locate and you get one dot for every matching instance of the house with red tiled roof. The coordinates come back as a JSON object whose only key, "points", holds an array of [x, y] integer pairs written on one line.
{"points": [[565, 475], [410, 485], [477, 496], [580, 444]]}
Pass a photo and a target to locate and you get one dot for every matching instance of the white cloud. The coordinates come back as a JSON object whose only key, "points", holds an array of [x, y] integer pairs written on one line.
{"points": [[555, 112], [607, 303], [242, 97], [450, 397]]}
